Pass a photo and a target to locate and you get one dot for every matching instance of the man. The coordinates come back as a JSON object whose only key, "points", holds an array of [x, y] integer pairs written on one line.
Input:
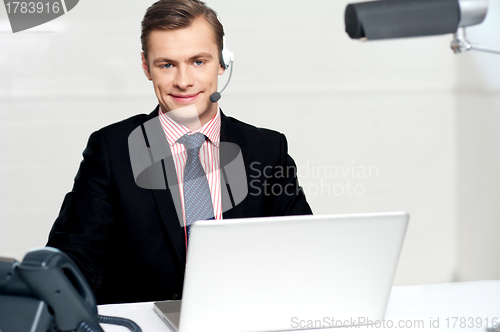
{"points": [[129, 240]]}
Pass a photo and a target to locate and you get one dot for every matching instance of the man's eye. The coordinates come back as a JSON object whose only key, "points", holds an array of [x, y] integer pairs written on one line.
{"points": [[198, 62], [166, 66]]}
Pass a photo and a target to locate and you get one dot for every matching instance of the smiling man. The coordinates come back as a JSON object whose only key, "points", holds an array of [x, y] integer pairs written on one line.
{"points": [[130, 240], [184, 69]]}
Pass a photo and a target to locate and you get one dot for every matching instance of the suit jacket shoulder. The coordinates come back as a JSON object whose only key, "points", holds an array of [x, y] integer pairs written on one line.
{"points": [[122, 128]]}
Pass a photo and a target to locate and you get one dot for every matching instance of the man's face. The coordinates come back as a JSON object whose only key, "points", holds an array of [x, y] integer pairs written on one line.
{"points": [[184, 67]]}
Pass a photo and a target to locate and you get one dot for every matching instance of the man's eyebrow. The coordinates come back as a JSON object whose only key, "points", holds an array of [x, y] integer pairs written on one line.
{"points": [[194, 57], [201, 55], [158, 60]]}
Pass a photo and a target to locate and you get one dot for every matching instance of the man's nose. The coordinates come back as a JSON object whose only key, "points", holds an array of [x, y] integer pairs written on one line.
{"points": [[184, 77]]}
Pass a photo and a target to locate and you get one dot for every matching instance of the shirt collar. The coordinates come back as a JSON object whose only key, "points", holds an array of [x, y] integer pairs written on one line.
{"points": [[175, 130]]}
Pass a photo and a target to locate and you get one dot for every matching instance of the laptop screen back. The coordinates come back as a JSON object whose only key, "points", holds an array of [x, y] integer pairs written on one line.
{"points": [[282, 273]]}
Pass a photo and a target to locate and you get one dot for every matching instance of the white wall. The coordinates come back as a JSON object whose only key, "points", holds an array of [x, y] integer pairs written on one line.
{"points": [[478, 141], [388, 108]]}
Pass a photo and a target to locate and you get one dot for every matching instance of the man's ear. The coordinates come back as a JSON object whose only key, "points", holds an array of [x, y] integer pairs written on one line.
{"points": [[145, 66], [221, 69]]}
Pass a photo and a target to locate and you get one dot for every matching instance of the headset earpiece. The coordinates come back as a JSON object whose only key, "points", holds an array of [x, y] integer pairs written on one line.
{"points": [[226, 59], [226, 56]]}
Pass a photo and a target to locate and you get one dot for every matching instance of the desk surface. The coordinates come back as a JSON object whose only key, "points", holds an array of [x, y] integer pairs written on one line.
{"points": [[463, 306]]}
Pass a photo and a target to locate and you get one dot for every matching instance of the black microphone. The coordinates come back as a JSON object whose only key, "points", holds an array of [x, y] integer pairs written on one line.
{"points": [[214, 97]]}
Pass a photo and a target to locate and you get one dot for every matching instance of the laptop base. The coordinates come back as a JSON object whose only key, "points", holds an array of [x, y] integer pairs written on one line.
{"points": [[170, 312]]}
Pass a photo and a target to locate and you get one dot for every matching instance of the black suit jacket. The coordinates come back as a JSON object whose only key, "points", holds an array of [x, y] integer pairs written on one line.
{"points": [[128, 240]]}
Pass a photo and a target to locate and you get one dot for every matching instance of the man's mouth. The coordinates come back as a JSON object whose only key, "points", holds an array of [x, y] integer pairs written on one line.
{"points": [[187, 98]]}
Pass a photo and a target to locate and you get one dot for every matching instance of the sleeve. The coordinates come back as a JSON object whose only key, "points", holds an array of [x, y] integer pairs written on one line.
{"points": [[291, 199], [82, 227]]}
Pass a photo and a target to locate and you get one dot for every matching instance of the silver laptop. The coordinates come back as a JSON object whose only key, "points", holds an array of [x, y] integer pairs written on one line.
{"points": [[287, 273]]}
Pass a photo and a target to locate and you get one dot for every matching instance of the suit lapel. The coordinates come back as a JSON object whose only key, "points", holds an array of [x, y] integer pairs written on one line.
{"points": [[168, 201], [229, 134]]}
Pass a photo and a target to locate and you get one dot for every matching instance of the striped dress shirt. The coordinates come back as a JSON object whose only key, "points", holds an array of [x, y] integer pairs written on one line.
{"points": [[209, 156]]}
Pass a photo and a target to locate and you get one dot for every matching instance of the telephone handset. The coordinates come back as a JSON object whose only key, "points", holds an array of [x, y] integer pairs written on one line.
{"points": [[48, 292]]}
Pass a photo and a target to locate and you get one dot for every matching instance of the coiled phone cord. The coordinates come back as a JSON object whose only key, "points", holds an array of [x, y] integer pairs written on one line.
{"points": [[131, 325]]}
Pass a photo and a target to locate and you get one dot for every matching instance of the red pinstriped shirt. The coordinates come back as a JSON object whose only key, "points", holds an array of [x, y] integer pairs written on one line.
{"points": [[209, 156]]}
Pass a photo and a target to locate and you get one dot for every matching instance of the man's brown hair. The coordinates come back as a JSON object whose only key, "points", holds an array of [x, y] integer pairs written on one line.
{"points": [[177, 14]]}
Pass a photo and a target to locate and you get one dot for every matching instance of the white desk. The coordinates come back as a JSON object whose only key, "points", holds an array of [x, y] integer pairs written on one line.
{"points": [[408, 305]]}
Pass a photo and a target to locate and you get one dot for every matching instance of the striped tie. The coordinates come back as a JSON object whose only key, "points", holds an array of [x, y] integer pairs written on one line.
{"points": [[197, 199]]}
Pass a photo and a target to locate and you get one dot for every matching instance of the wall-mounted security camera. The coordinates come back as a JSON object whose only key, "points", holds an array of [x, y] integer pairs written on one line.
{"points": [[385, 19]]}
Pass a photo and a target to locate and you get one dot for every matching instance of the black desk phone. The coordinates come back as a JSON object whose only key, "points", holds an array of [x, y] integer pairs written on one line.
{"points": [[47, 292]]}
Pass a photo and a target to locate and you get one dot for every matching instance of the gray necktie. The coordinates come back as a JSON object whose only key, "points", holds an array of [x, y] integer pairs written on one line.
{"points": [[197, 199]]}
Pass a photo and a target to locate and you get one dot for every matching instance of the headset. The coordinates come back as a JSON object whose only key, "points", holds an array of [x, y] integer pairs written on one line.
{"points": [[226, 61], [226, 56]]}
